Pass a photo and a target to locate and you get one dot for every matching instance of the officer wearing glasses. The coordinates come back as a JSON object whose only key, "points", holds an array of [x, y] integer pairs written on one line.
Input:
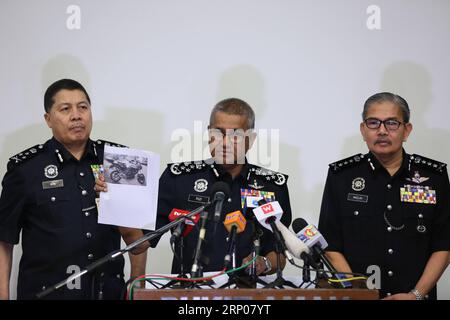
{"points": [[187, 186], [386, 213]]}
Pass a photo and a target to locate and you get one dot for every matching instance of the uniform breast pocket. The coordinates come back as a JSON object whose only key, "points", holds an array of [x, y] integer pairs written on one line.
{"points": [[418, 220], [53, 206], [359, 223]]}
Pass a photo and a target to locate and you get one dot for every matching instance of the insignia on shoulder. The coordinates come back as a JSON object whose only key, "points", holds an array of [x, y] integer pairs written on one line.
{"points": [[186, 167], [346, 163], [427, 163], [102, 143], [269, 175], [24, 156]]}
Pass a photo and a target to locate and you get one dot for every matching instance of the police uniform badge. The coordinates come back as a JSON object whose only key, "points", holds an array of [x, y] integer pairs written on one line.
{"points": [[416, 178], [200, 185], [255, 185], [51, 171], [358, 184]]}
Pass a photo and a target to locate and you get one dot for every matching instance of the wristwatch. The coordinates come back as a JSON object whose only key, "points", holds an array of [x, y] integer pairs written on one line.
{"points": [[418, 295], [268, 265]]}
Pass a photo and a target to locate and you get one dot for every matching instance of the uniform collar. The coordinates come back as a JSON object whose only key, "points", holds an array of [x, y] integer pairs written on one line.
{"points": [[377, 167], [223, 173], [63, 155]]}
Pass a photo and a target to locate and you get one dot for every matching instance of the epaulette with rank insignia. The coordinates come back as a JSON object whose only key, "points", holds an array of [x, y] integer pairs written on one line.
{"points": [[347, 162], [428, 163], [24, 156], [187, 167], [109, 143], [269, 175]]}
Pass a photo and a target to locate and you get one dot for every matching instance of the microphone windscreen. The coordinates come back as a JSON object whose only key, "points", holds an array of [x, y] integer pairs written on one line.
{"points": [[298, 224]]}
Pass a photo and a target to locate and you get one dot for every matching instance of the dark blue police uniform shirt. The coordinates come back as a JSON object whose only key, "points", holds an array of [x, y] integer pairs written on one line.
{"points": [[48, 195], [187, 186], [395, 223]]}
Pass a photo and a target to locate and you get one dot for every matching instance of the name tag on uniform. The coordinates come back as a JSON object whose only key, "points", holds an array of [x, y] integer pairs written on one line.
{"points": [[198, 199], [51, 184], [417, 194], [358, 197]]}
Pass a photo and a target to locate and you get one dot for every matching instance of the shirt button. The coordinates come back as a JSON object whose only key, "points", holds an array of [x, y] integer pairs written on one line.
{"points": [[389, 229], [90, 256], [81, 174], [356, 213], [420, 215], [229, 200], [390, 273], [52, 199], [389, 207], [84, 192], [390, 251], [87, 213], [88, 235], [389, 294], [389, 186], [43, 288]]}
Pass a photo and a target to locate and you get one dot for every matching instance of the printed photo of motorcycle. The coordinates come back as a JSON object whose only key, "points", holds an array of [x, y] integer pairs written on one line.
{"points": [[124, 169]]}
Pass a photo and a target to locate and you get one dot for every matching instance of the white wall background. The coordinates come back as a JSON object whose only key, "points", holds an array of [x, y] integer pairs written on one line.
{"points": [[306, 67]]}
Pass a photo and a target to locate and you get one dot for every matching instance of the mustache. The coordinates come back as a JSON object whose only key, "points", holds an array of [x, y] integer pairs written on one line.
{"points": [[383, 141], [77, 125]]}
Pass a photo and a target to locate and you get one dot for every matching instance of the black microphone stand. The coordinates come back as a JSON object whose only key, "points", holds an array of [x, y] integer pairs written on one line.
{"points": [[306, 273], [257, 232], [197, 268], [279, 282], [182, 274], [234, 278], [115, 254]]}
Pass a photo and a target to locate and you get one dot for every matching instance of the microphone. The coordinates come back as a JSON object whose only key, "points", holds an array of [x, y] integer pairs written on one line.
{"points": [[234, 223], [296, 247], [183, 229], [220, 191], [268, 214], [314, 240]]}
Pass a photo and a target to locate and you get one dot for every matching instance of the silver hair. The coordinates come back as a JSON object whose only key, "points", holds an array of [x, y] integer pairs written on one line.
{"points": [[391, 97]]}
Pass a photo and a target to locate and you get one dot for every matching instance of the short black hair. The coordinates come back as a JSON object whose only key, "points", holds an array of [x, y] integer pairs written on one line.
{"points": [[63, 84], [391, 97], [234, 106]]}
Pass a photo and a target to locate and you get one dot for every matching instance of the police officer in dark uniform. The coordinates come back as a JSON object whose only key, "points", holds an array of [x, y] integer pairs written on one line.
{"points": [[187, 186], [48, 196], [386, 213]]}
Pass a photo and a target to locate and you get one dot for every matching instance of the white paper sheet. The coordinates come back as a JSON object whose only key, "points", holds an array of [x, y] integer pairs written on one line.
{"points": [[132, 176]]}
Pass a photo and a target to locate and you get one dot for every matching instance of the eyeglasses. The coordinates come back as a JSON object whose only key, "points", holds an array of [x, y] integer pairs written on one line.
{"points": [[237, 135], [389, 124]]}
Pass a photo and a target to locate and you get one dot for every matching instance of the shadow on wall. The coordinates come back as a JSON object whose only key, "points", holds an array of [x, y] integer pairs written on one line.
{"points": [[247, 83], [244, 82], [413, 82], [64, 66], [136, 128]]}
